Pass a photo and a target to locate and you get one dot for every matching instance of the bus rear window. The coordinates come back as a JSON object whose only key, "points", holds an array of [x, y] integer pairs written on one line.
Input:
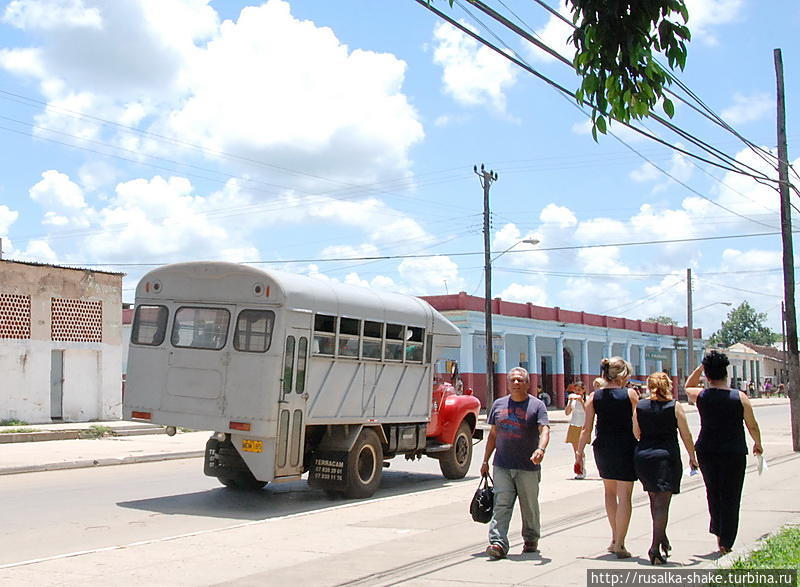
{"points": [[200, 328], [149, 325], [253, 331]]}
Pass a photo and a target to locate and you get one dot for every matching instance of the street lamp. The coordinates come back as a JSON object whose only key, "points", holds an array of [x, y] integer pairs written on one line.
{"points": [[487, 310]]}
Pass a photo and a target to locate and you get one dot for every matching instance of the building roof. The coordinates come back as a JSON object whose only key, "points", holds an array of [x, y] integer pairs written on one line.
{"points": [[462, 301], [35, 264], [767, 351]]}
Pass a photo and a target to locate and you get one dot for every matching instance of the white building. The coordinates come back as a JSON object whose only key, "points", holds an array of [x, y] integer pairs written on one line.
{"points": [[60, 351]]}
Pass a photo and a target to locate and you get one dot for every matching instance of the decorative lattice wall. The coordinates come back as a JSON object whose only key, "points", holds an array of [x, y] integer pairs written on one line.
{"points": [[76, 320], [15, 316]]}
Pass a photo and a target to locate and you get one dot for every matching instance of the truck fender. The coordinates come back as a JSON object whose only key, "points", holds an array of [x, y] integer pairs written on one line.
{"points": [[343, 437]]}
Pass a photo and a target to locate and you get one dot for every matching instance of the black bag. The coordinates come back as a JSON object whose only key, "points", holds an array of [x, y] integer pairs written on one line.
{"points": [[482, 503]]}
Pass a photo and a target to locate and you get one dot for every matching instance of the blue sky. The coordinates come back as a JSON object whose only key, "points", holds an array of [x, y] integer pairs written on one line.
{"points": [[141, 132]]}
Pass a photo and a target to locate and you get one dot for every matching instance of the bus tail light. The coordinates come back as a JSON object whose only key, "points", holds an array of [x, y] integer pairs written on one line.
{"points": [[141, 415], [243, 426]]}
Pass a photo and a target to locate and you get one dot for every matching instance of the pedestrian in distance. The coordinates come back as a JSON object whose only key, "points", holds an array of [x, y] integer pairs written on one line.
{"points": [[721, 446], [518, 438], [575, 410], [613, 446], [657, 458]]}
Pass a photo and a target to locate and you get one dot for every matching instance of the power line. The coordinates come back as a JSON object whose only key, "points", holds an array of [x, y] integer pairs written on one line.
{"points": [[463, 254]]}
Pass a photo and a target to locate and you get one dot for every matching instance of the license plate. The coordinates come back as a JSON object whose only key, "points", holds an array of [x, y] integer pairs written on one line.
{"points": [[252, 445]]}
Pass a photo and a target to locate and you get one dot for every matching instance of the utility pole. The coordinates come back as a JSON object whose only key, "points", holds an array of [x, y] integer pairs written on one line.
{"points": [[788, 255], [785, 374], [486, 179], [689, 325]]}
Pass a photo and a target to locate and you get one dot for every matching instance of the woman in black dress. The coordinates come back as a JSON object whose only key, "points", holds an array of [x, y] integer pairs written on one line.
{"points": [[613, 446], [721, 446], [657, 458]]}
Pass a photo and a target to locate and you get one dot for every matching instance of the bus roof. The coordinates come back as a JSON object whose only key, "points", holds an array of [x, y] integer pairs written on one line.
{"points": [[220, 282]]}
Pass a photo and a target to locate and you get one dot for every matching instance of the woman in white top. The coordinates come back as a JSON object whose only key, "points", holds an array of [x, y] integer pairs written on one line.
{"points": [[574, 408]]}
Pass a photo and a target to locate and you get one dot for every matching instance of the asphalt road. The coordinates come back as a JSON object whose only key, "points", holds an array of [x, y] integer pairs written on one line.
{"points": [[55, 513]]}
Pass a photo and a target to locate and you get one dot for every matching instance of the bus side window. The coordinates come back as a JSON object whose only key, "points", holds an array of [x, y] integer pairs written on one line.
{"points": [[253, 331], [149, 325], [324, 335], [395, 336], [415, 337], [349, 333], [373, 340]]}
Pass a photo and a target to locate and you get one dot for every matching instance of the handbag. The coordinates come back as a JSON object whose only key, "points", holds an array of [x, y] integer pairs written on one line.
{"points": [[482, 504]]}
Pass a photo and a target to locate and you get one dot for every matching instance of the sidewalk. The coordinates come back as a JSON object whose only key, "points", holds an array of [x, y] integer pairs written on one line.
{"points": [[24, 457], [418, 538]]}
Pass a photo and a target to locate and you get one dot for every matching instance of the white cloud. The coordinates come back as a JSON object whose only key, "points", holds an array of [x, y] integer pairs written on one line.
{"points": [[296, 97], [534, 294], [474, 75], [561, 216], [56, 190], [555, 34], [704, 15], [51, 14], [748, 108], [680, 170], [7, 218], [428, 275]]}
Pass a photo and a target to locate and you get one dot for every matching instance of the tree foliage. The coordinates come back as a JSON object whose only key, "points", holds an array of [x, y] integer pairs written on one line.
{"points": [[616, 41], [663, 320], [744, 324]]}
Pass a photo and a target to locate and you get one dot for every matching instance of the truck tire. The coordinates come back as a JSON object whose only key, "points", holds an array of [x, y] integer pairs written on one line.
{"points": [[455, 462], [243, 481], [364, 465]]}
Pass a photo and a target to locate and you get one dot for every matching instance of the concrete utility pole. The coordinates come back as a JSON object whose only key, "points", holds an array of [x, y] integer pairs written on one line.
{"points": [[487, 178], [788, 256], [690, 365]]}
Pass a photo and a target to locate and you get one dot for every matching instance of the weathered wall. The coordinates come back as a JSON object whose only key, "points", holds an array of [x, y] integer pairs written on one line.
{"points": [[87, 309]]}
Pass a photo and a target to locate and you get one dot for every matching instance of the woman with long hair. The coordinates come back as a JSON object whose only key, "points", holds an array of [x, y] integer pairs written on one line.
{"points": [[657, 458], [721, 446], [613, 446], [575, 409]]}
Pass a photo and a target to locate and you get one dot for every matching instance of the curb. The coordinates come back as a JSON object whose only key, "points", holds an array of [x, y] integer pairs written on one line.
{"points": [[106, 462]]}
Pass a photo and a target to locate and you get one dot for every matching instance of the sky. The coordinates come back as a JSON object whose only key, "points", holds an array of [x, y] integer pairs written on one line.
{"points": [[311, 136]]}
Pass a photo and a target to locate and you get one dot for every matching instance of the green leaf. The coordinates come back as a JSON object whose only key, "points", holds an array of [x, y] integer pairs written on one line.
{"points": [[669, 107], [601, 124]]}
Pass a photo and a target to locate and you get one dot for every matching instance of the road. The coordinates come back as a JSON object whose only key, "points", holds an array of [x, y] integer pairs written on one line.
{"points": [[54, 513]]}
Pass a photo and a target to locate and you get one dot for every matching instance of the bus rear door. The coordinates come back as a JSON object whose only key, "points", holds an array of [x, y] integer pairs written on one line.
{"points": [[293, 395], [198, 360]]}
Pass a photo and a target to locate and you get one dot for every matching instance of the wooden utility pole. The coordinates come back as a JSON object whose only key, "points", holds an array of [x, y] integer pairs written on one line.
{"points": [[487, 178], [788, 256]]}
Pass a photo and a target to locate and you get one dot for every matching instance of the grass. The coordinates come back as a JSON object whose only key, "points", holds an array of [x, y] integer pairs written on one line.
{"points": [[13, 422], [16, 430], [97, 431], [780, 551]]}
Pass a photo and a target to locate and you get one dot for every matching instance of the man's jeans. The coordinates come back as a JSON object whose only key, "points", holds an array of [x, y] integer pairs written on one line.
{"points": [[508, 484]]}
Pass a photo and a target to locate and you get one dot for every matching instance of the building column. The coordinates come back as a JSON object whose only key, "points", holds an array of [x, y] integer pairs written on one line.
{"points": [[500, 373], [628, 351], [558, 376], [759, 387], [642, 363], [609, 349], [586, 378], [533, 363], [674, 370]]}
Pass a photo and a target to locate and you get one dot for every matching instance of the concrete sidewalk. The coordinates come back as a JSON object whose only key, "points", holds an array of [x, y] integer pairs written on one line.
{"points": [[423, 538], [23, 457]]}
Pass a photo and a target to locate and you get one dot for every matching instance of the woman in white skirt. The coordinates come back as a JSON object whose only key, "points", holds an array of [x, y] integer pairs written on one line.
{"points": [[574, 409]]}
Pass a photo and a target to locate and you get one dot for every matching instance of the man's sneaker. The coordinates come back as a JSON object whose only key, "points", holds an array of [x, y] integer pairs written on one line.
{"points": [[532, 546], [495, 551]]}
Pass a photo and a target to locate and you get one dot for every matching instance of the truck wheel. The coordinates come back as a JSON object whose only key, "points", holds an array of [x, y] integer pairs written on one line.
{"points": [[243, 481], [364, 465], [455, 462]]}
